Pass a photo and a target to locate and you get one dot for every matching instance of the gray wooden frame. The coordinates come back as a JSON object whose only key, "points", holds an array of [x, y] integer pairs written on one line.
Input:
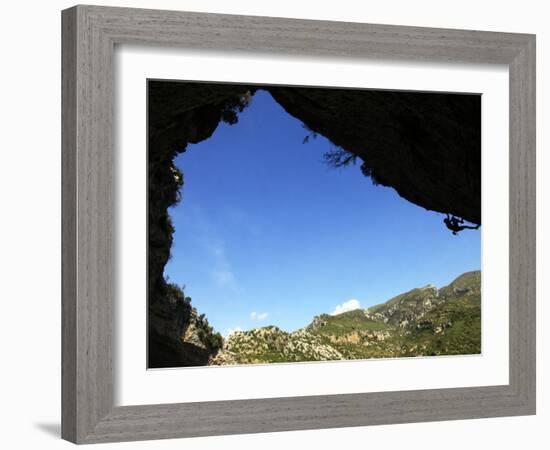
{"points": [[89, 36]]}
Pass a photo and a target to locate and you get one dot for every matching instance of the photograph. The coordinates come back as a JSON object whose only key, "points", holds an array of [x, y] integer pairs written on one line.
{"points": [[291, 224], [275, 225]]}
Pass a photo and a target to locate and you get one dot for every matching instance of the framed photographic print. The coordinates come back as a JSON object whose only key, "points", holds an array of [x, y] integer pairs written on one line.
{"points": [[270, 235], [267, 222]]}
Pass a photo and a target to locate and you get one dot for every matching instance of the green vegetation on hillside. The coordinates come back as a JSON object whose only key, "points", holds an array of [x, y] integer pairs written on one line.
{"points": [[422, 322]]}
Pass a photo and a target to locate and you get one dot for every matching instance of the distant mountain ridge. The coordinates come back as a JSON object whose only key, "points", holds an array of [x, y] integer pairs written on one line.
{"points": [[425, 321]]}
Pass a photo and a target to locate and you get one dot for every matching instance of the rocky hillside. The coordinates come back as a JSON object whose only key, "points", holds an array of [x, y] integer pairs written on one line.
{"points": [[270, 344], [423, 322], [178, 335]]}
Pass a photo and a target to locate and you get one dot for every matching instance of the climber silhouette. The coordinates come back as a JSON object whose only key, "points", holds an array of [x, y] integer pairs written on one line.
{"points": [[455, 224]]}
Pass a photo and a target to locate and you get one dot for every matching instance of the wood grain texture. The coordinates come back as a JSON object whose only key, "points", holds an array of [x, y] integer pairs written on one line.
{"points": [[523, 224], [68, 226], [89, 36]]}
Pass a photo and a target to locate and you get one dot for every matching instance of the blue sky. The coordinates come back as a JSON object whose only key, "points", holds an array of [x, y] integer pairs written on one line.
{"points": [[268, 234]]}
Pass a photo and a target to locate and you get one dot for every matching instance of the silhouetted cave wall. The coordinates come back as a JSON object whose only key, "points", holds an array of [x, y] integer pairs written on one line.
{"points": [[426, 146], [179, 114]]}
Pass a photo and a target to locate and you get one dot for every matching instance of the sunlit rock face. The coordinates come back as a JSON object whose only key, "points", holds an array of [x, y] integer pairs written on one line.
{"points": [[427, 147], [425, 321]]}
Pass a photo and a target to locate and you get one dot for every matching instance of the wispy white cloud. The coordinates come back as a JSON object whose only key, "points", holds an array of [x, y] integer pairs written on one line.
{"points": [[242, 220], [258, 316], [223, 277], [208, 238], [350, 305], [221, 273]]}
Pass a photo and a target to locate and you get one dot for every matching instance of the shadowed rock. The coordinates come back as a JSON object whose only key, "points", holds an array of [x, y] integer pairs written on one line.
{"points": [[426, 146]]}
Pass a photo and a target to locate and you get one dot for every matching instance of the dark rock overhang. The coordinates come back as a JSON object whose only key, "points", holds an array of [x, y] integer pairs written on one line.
{"points": [[427, 146]]}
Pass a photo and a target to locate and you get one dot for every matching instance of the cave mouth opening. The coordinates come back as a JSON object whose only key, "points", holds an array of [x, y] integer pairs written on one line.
{"points": [[256, 186], [173, 125]]}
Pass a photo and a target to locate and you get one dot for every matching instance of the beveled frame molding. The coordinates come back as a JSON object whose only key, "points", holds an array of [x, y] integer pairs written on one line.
{"points": [[89, 36]]}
